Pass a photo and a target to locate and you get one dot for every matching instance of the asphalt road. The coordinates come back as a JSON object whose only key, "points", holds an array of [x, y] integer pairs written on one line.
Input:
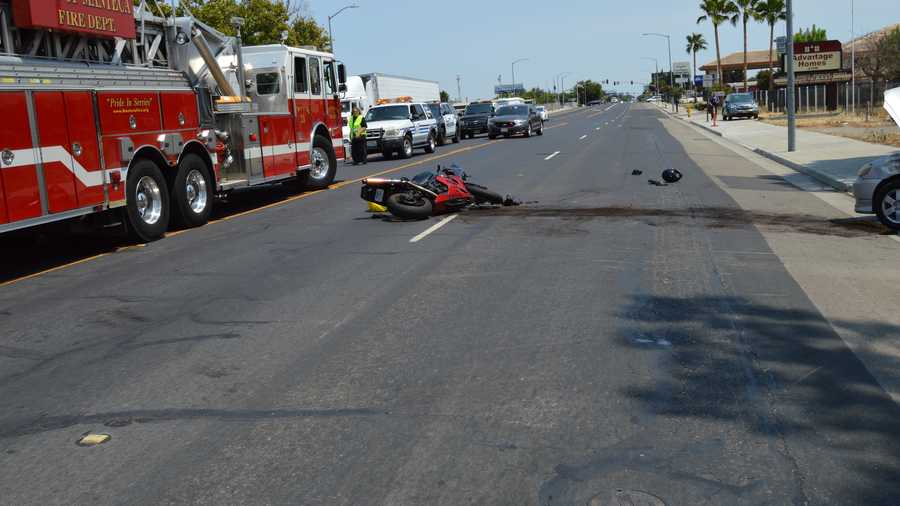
{"points": [[609, 340]]}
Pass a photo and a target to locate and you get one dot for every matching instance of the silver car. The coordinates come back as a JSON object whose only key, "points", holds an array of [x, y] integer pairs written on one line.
{"points": [[877, 189]]}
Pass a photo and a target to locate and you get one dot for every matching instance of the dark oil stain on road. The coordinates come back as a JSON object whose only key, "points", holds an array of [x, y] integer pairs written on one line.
{"points": [[710, 217]]}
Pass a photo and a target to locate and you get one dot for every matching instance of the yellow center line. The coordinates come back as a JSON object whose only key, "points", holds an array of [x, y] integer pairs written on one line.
{"points": [[250, 211], [54, 269]]}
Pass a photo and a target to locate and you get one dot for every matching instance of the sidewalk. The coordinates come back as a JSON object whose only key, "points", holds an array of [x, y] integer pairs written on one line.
{"points": [[830, 159]]}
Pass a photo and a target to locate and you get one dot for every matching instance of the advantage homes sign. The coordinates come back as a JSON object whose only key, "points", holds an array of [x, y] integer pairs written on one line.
{"points": [[103, 18], [817, 56]]}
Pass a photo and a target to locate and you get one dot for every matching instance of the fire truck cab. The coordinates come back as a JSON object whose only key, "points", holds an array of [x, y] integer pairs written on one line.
{"points": [[148, 125]]}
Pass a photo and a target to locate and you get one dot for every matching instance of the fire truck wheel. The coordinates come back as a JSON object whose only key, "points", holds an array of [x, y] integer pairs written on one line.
{"points": [[148, 201], [192, 192], [323, 163]]}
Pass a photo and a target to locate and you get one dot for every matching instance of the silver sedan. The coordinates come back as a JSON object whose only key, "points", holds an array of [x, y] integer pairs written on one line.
{"points": [[877, 190]]}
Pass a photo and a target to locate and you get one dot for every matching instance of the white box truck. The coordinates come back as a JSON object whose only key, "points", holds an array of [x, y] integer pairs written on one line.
{"points": [[366, 90]]}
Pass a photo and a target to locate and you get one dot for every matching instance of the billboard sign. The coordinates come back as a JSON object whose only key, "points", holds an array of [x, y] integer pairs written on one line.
{"points": [[709, 80], [698, 80], [681, 68], [501, 89], [101, 18], [817, 56], [816, 78]]}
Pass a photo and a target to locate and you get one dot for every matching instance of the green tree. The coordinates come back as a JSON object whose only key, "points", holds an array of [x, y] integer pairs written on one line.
{"points": [[718, 12], [747, 12], [445, 97], [771, 11], [695, 44], [588, 91], [882, 60], [813, 34], [265, 21]]}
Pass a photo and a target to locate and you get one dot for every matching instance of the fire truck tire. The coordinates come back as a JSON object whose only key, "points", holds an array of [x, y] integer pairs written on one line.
{"points": [[192, 192], [323, 163], [147, 210]]}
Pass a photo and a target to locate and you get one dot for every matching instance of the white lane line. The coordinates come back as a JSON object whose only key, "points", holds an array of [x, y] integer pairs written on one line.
{"points": [[598, 128], [583, 137], [551, 155], [434, 227]]}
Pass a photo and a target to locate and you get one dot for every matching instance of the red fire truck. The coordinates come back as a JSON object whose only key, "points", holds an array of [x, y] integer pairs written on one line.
{"points": [[112, 113]]}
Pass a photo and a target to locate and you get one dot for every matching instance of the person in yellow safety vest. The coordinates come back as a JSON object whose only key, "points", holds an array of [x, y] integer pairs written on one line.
{"points": [[358, 137]]}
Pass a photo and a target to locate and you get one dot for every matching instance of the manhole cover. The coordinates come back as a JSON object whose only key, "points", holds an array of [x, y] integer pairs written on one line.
{"points": [[620, 497]]}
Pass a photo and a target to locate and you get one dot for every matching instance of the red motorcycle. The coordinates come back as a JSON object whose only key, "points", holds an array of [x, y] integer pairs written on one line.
{"points": [[429, 193]]}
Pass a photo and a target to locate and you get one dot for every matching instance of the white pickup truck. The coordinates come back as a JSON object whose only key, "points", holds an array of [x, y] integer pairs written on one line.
{"points": [[400, 128]]}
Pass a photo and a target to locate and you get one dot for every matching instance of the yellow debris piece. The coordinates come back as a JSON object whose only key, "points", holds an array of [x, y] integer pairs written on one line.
{"points": [[93, 439], [377, 208]]}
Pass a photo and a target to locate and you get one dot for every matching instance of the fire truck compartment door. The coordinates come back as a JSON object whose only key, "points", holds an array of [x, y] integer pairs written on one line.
{"points": [[56, 151], [18, 161], [253, 154]]}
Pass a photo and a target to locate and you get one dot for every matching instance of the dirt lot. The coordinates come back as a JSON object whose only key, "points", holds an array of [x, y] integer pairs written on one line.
{"points": [[880, 129]]}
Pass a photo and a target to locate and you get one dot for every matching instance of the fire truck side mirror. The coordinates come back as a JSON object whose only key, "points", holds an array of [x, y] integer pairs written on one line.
{"points": [[342, 75]]}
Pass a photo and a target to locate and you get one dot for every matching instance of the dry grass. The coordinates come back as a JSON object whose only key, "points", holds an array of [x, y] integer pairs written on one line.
{"points": [[878, 118]]}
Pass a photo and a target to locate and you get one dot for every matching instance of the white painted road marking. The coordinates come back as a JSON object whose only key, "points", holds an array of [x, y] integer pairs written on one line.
{"points": [[598, 128], [434, 227], [583, 137], [552, 155]]}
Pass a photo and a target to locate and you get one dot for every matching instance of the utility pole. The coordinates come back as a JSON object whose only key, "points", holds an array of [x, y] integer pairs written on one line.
{"points": [[789, 58], [853, 52], [458, 89]]}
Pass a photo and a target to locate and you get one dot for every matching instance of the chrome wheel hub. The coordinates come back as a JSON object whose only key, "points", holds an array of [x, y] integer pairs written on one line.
{"points": [[196, 192], [320, 164], [148, 199], [891, 207]]}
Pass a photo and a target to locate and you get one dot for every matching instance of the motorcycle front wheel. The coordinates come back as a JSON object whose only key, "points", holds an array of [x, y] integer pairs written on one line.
{"points": [[483, 195], [409, 206]]}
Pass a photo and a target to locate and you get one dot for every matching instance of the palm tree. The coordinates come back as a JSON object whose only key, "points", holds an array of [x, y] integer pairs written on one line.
{"points": [[771, 11], [695, 43], [718, 12], [747, 12]]}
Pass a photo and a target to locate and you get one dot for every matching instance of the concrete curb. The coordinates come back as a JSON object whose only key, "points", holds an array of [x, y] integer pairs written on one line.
{"points": [[818, 176]]}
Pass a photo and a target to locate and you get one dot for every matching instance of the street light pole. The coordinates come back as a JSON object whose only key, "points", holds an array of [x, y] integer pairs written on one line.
{"points": [[330, 34], [656, 73], [669, 42], [514, 69], [789, 59], [853, 53]]}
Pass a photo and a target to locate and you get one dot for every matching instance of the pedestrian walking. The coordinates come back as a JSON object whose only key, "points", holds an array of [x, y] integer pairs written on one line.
{"points": [[714, 108], [358, 150], [675, 101]]}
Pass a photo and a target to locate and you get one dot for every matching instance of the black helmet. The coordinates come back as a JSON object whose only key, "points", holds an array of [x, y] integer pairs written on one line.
{"points": [[671, 175]]}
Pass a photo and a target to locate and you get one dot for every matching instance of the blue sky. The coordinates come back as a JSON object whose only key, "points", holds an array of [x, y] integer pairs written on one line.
{"points": [[594, 39]]}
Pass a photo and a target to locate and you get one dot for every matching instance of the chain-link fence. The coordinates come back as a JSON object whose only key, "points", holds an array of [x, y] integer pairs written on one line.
{"points": [[862, 99]]}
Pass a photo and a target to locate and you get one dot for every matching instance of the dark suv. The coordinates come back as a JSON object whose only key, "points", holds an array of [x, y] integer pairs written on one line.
{"points": [[475, 119], [740, 105]]}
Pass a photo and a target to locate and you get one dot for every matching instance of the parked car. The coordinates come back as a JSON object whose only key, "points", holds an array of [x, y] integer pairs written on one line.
{"points": [[877, 189], [475, 119], [740, 105], [542, 111], [400, 128], [515, 119], [447, 121]]}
